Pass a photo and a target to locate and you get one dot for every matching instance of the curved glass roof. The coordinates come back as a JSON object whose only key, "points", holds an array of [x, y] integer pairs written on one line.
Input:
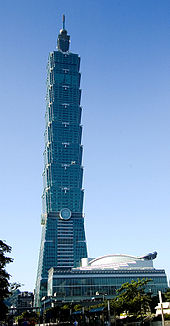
{"points": [[120, 261]]}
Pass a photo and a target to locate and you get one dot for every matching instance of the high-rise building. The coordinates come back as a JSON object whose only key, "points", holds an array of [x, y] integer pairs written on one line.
{"points": [[62, 273], [63, 242]]}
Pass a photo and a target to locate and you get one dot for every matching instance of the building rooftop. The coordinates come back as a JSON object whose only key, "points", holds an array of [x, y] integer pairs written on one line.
{"points": [[119, 261]]}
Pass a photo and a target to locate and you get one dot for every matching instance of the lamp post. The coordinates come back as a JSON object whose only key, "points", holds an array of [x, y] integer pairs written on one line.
{"points": [[83, 315], [162, 312], [43, 300], [39, 316], [108, 309]]}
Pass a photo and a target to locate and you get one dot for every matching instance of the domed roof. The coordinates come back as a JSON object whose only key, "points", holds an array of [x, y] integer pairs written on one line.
{"points": [[120, 261], [113, 259]]}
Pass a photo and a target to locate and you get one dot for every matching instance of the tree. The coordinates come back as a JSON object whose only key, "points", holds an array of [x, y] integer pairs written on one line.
{"points": [[154, 302], [65, 312], [133, 299], [4, 277], [167, 295], [32, 317]]}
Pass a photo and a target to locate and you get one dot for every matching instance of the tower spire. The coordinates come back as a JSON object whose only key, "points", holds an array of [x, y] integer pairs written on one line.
{"points": [[63, 21], [63, 40]]}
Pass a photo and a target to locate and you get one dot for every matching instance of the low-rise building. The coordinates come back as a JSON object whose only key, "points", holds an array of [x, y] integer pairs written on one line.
{"points": [[101, 277], [25, 300]]}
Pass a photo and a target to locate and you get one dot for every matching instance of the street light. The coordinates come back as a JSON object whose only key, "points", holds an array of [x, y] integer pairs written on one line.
{"points": [[108, 309], [162, 312], [43, 300]]}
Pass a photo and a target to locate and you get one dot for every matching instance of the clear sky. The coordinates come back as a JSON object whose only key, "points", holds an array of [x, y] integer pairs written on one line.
{"points": [[125, 65]]}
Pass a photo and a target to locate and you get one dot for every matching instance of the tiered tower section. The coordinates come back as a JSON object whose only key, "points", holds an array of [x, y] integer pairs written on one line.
{"points": [[63, 241]]}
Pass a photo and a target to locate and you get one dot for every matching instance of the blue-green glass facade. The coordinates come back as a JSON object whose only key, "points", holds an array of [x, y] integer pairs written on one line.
{"points": [[77, 284], [63, 242]]}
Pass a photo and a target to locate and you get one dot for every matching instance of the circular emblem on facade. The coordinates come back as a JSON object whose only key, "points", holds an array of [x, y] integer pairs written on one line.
{"points": [[65, 214]]}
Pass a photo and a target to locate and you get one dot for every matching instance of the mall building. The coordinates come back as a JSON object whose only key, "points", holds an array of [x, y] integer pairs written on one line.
{"points": [[100, 278]]}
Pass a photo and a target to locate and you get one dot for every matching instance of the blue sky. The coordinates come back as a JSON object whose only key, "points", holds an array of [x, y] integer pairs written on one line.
{"points": [[124, 49]]}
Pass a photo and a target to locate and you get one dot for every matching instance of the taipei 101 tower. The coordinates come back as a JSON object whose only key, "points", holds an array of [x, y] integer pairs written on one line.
{"points": [[63, 242]]}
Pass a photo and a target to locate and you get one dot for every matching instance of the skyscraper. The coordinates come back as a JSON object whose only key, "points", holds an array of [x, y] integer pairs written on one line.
{"points": [[63, 242]]}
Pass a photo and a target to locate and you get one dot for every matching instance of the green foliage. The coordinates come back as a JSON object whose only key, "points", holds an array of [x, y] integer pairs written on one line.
{"points": [[52, 314], [167, 317], [32, 317], [167, 295], [154, 303], [133, 299], [65, 307], [77, 307], [115, 306], [14, 287], [4, 277]]}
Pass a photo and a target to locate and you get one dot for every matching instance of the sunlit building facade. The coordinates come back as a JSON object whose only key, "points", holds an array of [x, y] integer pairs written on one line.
{"points": [[64, 271], [101, 277], [63, 242]]}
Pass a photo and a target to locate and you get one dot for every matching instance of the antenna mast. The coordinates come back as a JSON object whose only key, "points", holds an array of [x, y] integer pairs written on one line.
{"points": [[63, 21]]}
